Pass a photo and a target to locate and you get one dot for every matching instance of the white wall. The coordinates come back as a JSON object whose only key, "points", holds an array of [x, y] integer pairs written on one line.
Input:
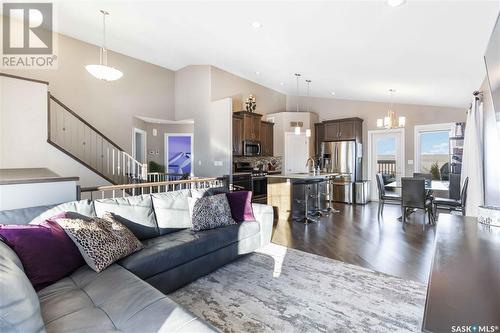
{"points": [[23, 133]]}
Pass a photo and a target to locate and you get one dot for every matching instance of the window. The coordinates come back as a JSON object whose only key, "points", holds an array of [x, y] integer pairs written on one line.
{"points": [[432, 149]]}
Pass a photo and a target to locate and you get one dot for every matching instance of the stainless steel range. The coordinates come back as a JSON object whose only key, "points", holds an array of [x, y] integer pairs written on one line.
{"points": [[245, 178]]}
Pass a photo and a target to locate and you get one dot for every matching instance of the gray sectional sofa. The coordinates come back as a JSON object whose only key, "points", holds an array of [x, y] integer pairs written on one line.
{"points": [[130, 295]]}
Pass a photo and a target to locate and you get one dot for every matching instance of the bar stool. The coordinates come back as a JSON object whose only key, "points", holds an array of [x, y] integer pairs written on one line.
{"points": [[306, 218]]}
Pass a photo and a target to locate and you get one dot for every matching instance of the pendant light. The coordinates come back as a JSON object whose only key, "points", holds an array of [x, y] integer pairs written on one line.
{"points": [[390, 120], [308, 131], [103, 71], [297, 127]]}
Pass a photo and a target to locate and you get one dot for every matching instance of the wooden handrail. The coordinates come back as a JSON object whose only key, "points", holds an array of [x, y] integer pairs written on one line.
{"points": [[23, 78], [155, 184], [85, 122]]}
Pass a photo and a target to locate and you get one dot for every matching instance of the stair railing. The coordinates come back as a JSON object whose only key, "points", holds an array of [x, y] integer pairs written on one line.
{"points": [[115, 191], [76, 137]]}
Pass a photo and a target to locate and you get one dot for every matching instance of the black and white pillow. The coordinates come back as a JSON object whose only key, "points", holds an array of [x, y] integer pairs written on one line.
{"points": [[101, 241], [210, 212]]}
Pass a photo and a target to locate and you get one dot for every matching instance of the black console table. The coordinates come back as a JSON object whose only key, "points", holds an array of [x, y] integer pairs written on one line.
{"points": [[464, 284]]}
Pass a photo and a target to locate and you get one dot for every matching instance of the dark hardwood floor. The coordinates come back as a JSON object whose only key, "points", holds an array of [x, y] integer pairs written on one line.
{"points": [[356, 236]]}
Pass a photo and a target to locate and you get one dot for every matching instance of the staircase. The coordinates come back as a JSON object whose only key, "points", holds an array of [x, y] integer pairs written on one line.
{"points": [[74, 136]]}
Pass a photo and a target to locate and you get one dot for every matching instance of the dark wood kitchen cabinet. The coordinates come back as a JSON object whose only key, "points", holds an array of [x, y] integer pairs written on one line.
{"points": [[331, 131], [237, 135], [251, 125], [319, 136], [246, 127], [266, 138], [349, 129]]}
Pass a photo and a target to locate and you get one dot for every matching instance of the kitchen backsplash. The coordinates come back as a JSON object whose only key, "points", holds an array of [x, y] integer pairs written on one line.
{"points": [[261, 160]]}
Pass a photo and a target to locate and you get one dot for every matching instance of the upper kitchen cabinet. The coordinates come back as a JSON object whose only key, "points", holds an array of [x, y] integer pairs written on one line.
{"points": [[251, 125], [237, 135], [331, 131], [349, 129], [266, 138]]}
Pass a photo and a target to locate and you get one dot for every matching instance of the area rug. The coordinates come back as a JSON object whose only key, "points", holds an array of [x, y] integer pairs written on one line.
{"points": [[278, 289]]}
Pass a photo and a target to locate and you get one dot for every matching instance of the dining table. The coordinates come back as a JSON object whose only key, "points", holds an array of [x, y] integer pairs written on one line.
{"points": [[433, 185]]}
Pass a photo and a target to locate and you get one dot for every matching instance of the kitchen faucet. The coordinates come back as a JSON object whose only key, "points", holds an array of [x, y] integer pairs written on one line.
{"points": [[310, 159]]}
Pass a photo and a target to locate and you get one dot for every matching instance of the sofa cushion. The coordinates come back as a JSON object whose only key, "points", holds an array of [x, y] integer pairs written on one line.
{"points": [[19, 305], [101, 241], [241, 205], [165, 252], [114, 300], [35, 215], [172, 211], [210, 212], [47, 253], [136, 213]]}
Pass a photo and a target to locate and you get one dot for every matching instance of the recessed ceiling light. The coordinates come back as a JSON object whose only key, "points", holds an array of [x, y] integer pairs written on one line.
{"points": [[257, 73], [256, 25], [395, 3], [333, 93], [282, 83]]}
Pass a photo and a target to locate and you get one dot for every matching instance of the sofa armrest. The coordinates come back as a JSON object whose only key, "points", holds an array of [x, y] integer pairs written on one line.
{"points": [[265, 216]]}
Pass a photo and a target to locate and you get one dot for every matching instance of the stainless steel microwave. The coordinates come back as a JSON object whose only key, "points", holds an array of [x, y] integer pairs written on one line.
{"points": [[251, 148]]}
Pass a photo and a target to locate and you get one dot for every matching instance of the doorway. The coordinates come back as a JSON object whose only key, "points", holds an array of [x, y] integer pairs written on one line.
{"points": [[139, 145], [386, 149], [296, 152], [179, 153]]}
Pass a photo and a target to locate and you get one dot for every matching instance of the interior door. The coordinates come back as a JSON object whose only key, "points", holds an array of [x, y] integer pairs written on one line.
{"points": [[296, 153], [386, 157]]}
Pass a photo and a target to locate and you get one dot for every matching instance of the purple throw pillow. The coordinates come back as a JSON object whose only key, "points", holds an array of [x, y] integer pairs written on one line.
{"points": [[241, 205], [46, 252]]}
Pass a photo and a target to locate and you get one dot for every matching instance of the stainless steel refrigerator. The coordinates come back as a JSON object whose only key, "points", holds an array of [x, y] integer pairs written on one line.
{"points": [[344, 158]]}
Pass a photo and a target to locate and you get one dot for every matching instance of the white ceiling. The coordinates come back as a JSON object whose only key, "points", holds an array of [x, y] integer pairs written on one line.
{"points": [[429, 51]]}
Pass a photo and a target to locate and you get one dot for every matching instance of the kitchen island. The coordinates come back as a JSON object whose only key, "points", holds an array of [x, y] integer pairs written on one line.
{"points": [[289, 192]]}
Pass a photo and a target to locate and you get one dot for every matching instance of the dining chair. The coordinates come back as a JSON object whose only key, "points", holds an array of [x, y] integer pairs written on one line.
{"points": [[414, 195], [453, 203], [383, 196]]}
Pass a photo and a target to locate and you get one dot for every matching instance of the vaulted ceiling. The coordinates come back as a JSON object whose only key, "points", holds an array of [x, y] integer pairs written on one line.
{"points": [[431, 52]]}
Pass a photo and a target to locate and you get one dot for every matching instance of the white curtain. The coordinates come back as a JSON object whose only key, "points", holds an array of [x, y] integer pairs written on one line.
{"points": [[472, 160]]}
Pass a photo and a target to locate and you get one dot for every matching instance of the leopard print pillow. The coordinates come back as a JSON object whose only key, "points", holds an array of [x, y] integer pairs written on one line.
{"points": [[210, 212], [101, 241]]}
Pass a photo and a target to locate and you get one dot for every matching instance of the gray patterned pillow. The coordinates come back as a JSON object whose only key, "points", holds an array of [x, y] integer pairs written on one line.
{"points": [[101, 241], [210, 212]]}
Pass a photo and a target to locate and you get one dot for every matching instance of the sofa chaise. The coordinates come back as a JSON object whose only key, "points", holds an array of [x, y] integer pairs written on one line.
{"points": [[130, 295]]}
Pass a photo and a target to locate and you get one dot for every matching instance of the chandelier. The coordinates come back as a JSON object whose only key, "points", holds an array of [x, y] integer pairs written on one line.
{"points": [[103, 71], [390, 120]]}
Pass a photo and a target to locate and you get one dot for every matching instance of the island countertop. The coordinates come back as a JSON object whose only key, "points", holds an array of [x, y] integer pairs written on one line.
{"points": [[304, 175]]}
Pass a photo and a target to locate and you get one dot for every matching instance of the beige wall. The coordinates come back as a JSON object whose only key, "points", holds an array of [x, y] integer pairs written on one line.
{"points": [[330, 108], [282, 125], [491, 149], [212, 120], [144, 89], [157, 143], [225, 84]]}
